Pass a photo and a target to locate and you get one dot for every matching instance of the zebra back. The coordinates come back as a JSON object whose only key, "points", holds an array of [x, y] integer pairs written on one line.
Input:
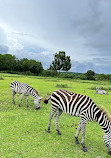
{"points": [[69, 102]]}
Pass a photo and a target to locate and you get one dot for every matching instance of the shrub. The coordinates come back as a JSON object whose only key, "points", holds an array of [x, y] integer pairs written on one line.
{"points": [[1, 78], [62, 85]]}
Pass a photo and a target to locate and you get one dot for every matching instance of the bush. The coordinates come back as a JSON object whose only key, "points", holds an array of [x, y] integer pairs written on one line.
{"points": [[62, 85], [49, 73], [68, 75], [29, 73], [1, 78]]}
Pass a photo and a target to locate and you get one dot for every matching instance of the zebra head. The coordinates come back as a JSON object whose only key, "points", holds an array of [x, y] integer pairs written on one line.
{"points": [[107, 141], [37, 102]]}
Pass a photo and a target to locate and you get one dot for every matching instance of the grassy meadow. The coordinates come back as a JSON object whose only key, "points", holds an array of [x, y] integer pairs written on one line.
{"points": [[23, 130]]}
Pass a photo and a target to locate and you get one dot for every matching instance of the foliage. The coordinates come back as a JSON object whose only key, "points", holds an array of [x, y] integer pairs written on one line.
{"points": [[68, 75], [83, 77], [61, 62], [32, 66], [50, 73], [7, 62], [62, 85], [10, 63], [90, 75], [103, 77]]}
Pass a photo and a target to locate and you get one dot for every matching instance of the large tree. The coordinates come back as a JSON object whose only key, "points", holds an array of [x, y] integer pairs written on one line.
{"points": [[7, 62], [90, 75], [61, 62]]}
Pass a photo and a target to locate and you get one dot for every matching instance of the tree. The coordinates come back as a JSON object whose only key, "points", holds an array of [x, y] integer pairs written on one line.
{"points": [[90, 75], [61, 62], [32, 66], [8, 62]]}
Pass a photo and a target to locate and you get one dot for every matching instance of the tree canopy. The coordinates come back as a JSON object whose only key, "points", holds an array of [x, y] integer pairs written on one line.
{"points": [[61, 62], [90, 75]]}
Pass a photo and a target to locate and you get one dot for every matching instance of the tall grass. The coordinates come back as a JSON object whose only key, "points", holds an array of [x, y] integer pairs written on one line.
{"points": [[23, 130]]}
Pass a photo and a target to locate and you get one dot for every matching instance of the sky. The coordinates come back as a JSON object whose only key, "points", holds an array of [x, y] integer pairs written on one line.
{"points": [[37, 29]]}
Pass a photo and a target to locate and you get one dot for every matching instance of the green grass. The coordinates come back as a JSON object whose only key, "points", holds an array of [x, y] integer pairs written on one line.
{"points": [[23, 130]]}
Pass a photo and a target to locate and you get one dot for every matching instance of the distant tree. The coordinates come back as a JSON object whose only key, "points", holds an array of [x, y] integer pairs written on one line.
{"points": [[32, 66], [1, 62], [90, 75], [61, 62], [103, 77], [8, 62], [21, 64]]}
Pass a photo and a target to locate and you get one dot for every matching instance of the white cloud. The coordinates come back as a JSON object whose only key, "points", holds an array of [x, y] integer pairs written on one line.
{"points": [[40, 28]]}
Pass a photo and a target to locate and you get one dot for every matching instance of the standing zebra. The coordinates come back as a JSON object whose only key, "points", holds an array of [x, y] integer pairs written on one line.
{"points": [[25, 90], [83, 107]]}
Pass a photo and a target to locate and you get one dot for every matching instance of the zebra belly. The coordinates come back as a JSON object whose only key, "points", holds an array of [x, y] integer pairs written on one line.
{"points": [[21, 91]]}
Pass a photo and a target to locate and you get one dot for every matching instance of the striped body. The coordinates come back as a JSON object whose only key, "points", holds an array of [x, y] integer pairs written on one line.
{"points": [[83, 107], [70, 103], [26, 90]]}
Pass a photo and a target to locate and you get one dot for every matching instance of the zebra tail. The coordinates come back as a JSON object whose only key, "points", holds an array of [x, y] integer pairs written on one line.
{"points": [[46, 100]]}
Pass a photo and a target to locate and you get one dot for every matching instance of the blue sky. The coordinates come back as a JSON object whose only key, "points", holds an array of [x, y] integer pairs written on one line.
{"points": [[37, 29]]}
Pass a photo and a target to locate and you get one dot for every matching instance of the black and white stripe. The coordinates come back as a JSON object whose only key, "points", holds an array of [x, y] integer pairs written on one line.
{"points": [[26, 90], [83, 107]]}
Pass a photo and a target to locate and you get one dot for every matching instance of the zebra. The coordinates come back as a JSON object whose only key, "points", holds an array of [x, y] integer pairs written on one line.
{"points": [[26, 90], [82, 106], [98, 91]]}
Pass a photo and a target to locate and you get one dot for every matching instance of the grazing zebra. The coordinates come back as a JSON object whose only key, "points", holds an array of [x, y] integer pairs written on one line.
{"points": [[99, 91], [25, 90], [83, 107]]}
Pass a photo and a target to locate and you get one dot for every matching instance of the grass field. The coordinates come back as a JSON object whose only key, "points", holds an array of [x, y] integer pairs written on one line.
{"points": [[22, 129]]}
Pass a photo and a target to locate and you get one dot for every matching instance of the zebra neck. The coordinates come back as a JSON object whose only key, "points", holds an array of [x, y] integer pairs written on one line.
{"points": [[103, 121], [33, 93], [34, 96]]}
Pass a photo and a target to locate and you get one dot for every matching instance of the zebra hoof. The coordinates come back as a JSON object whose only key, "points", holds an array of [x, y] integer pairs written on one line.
{"points": [[58, 132], [85, 149], [76, 141], [48, 131]]}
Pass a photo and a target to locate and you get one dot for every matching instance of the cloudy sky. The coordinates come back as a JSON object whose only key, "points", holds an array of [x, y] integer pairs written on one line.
{"points": [[37, 29]]}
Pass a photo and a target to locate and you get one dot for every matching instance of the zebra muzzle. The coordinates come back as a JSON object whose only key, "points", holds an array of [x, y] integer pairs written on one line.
{"points": [[37, 108]]}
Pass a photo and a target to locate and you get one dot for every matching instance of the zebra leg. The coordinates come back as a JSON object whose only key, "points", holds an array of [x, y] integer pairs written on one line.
{"points": [[21, 99], [51, 115], [77, 133], [59, 112], [13, 94], [83, 128], [27, 100]]}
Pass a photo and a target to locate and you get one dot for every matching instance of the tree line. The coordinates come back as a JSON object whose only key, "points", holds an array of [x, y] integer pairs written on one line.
{"points": [[9, 63]]}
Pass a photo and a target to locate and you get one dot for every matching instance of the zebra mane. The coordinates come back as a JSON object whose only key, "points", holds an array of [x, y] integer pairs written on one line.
{"points": [[35, 91], [106, 112]]}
